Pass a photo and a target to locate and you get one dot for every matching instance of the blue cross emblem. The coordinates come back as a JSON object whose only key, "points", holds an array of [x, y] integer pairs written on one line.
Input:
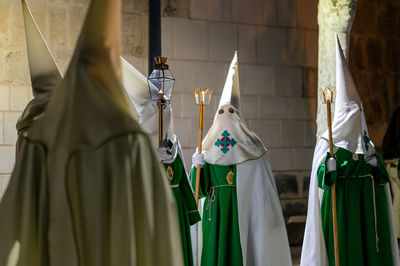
{"points": [[225, 142]]}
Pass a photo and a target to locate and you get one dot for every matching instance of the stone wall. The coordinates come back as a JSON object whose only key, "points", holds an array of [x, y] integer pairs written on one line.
{"points": [[277, 42], [375, 61]]}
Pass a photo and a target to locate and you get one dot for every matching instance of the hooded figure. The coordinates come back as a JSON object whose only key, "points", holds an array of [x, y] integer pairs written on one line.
{"points": [[391, 154], [242, 217], [366, 233], [171, 154], [45, 74], [86, 188]]}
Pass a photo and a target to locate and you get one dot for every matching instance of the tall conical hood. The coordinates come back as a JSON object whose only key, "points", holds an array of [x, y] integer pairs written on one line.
{"points": [[91, 96], [41, 60], [231, 91], [136, 85], [349, 128], [229, 140], [45, 74]]}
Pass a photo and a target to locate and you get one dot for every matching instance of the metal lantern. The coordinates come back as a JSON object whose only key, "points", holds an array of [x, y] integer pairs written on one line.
{"points": [[161, 83]]}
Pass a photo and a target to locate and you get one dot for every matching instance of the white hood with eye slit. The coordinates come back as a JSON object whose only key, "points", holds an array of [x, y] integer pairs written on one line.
{"points": [[229, 140]]}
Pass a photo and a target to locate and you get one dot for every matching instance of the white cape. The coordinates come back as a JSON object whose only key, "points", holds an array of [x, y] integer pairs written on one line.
{"points": [[263, 235], [314, 251]]}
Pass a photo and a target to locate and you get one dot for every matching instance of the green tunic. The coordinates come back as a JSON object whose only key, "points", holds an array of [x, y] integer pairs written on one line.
{"points": [[221, 239], [186, 204], [362, 239]]}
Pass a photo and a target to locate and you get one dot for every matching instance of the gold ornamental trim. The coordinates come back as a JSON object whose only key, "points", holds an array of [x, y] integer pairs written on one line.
{"points": [[229, 177], [170, 173]]}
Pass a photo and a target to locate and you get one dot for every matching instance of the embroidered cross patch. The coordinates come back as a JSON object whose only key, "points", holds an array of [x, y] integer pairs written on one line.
{"points": [[167, 143], [225, 142]]}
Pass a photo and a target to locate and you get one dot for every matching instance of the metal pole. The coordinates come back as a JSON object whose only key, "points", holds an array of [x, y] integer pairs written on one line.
{"points": [[334, 214], [154, 32], [199, 143]]}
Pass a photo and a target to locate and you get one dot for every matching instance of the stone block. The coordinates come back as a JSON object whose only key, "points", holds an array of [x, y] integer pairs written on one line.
{"points": [[306, 185], [311, 48], [7, 159], [57, 28], [19, 97], [166, 36], [190, 39], [271, 45], [306, 15], [189, 107], [4, 25], [259, 80], [207, 9], [141, 6], [182, 71], [76, 17], [16, 24], [176, 8], [269, 12], [281, 159], [268, 131], [10, 131], [292, 134], [1, 128], [227, 10], [135, 39], [309, 134], [286, 184], [62, 58], [273, 108], [303, 158], [222, 41], [184, 130], [296, 48], [287, 13], [176, 103], [248, 11], [309, 82], [209, 75], [16, 68], [127, 5], [187, 153], [210, 110], [300, 108], [4, 98], [250, 107], [288, 81], [247, 43]]}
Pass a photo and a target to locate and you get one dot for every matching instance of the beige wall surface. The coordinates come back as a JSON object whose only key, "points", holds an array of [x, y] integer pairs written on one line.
{"points": [[277, 42]]}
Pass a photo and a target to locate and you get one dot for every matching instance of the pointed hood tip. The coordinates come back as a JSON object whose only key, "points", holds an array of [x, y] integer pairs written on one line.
{"points": [[41, 60], [231, 90]]}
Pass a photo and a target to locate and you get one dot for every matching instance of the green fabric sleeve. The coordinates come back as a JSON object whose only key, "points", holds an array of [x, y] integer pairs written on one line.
{"points": [[325, 179], [187, 192], [380, 171], [203, 183]]}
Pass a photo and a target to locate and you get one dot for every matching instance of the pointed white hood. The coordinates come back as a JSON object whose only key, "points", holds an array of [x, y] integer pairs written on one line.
{"points": [[45, 74], [41, 60], [349, 128], [229, 140], [136, 85]]}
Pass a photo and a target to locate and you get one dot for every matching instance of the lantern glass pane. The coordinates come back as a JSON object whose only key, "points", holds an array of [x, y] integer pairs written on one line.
{"points": [[161, 81]]}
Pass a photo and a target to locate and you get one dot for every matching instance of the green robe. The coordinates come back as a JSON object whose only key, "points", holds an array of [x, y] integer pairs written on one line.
{"points": [[186, 204], [221, 239], [355, 198]]}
